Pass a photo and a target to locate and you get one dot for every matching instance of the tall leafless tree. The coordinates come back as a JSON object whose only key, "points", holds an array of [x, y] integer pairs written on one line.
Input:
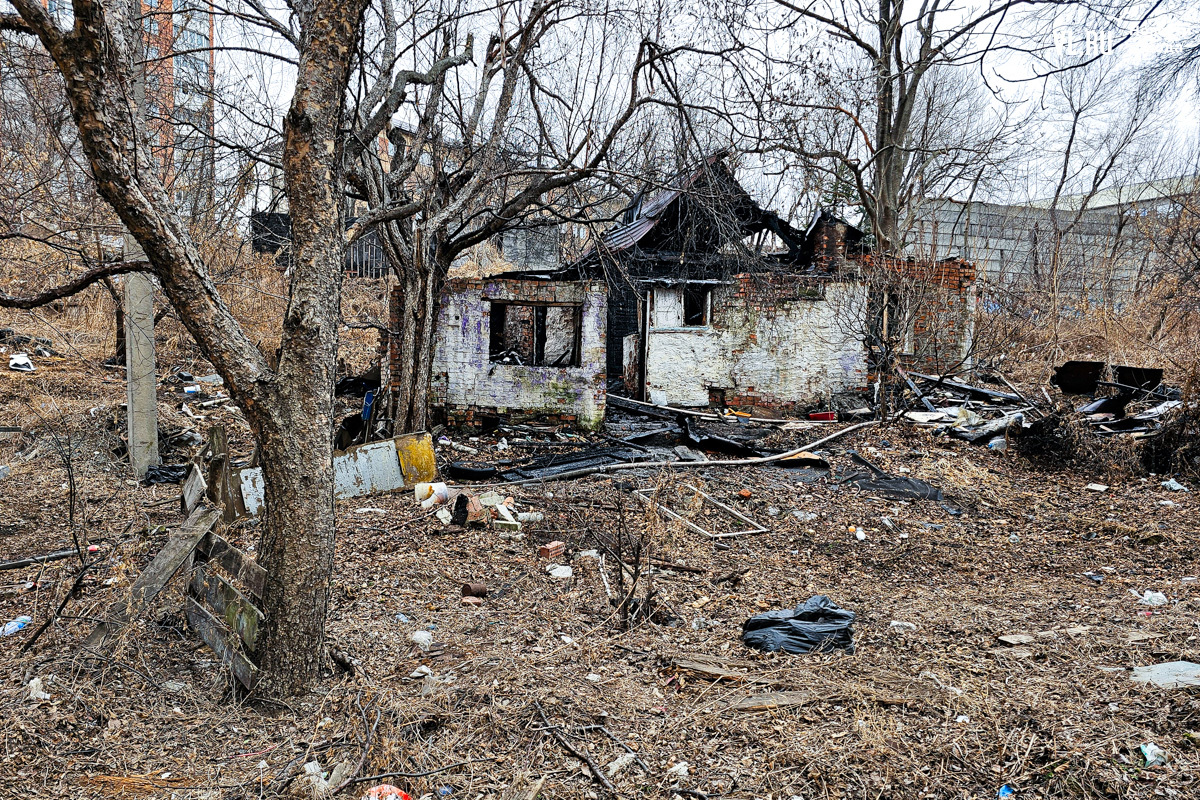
{"points": [[528, 134], [288, 407], [861, 90]]}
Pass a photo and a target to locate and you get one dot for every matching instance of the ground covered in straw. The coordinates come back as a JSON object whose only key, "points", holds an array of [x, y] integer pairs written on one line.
{"points": [[524, 689]]}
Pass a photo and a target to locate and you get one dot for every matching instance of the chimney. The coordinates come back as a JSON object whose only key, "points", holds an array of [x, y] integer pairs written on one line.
{"points": [[830, 246]]}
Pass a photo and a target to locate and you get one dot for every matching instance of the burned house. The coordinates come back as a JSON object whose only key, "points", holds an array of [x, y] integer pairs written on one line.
{"points": [[698, 296], [714, 300]]}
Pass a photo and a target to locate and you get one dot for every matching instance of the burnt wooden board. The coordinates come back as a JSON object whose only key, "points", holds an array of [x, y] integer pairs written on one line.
{"points": [[715, 671], [770, 701]]}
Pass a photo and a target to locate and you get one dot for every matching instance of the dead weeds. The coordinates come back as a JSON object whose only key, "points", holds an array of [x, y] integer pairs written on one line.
{"points": [[940, 711]]}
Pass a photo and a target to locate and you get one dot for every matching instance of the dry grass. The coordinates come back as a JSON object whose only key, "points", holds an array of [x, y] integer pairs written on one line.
{"points": [[255, 292], [928, 714], [1027, 348]]}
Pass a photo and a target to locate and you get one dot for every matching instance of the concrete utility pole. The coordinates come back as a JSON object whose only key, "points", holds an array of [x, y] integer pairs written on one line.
{"points": [[141, 409], [141, 383]]}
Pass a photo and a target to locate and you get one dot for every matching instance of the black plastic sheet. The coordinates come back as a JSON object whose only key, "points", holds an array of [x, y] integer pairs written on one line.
{"points": [[890, 486], [816, 625], [165, 473]]}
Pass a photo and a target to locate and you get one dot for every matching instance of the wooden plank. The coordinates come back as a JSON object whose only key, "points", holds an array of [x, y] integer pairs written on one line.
{"points": [[770, 701], [717, 660], [967, 389], [235, 562], [218, 637], [717, 672], [219, 481], [230, 604], [920, 395], [194, 488], [157, 574]]}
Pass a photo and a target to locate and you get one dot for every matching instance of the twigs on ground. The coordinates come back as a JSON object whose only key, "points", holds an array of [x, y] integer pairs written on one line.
{"points": [[66, 599], [368, 737], [554, 731], [619, 743], [447, 768]]}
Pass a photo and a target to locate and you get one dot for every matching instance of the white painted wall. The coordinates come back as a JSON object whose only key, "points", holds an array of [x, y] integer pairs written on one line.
{"points": [[797, 351]]}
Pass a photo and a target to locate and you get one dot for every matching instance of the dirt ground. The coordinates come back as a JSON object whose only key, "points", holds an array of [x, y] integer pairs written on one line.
{"points": [[526, 687]]}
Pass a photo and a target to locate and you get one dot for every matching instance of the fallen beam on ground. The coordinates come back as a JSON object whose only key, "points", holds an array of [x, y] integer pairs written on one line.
{"points": [[669, 412], [770, 701], [966, 388], [551, 465], [655, 562], [744, 462], [929, 406], [646, 497], [715, 669]]}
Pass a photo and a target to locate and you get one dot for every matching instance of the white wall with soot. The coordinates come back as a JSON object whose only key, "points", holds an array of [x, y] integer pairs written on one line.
{"points": [[465, 378], [792, 351]]}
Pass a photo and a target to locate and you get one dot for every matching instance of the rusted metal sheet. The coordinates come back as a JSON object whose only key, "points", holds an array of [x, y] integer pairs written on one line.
{"points": [[362, 470], [367, 469]]}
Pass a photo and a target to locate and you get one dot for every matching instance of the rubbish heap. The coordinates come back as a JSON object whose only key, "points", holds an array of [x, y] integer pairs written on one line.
{"points": [[1133, 401]]}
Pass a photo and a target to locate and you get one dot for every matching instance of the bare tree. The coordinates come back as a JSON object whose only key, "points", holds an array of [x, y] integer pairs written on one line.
{"points": [[528, 135], [878, 94]]}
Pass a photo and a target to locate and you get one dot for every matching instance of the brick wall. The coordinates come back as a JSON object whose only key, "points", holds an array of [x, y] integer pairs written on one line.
{"points": [[943, 292], [943, 322]]}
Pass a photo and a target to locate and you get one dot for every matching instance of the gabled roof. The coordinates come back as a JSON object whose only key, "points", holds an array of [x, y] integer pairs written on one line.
{"points": [[696, 211]]}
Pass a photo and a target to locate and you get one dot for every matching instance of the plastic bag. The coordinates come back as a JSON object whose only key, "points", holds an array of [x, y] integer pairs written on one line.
{"points": [[814, 626], [165, 473]]}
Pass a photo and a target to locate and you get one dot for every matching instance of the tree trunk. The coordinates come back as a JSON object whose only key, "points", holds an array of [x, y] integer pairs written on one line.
{"points": [[295, 429], [119, 319], [289, 408], [417, 311], [297, 546]]}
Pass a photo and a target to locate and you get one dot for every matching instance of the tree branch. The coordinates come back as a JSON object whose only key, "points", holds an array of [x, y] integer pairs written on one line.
{"points": [[13, 22], [74, 287], [399, 91]]}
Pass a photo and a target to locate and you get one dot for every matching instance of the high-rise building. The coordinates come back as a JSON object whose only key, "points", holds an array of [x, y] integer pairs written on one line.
{"points": [[180, 75], [178, 54]]}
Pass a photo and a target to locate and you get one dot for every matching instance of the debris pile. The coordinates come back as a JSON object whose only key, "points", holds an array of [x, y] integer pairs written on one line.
{"points": [[1133, 402]]}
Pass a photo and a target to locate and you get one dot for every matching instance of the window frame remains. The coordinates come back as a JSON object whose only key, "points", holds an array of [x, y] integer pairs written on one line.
{"points": [[532, 354]]}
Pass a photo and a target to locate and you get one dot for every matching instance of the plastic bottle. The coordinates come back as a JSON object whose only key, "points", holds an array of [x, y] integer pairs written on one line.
{"points": [[15, 625]]}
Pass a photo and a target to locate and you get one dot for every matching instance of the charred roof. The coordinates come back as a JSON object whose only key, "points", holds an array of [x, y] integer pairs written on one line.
{"points": [[698, 218]]}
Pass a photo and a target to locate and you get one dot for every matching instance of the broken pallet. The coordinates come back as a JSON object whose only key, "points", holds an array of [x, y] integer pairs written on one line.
{"points": [[157, 575]]}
